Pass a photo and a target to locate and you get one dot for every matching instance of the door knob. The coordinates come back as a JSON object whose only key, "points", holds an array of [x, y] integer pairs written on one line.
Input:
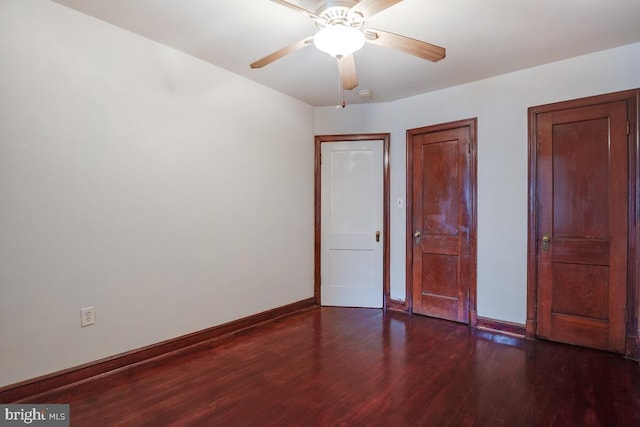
{"points": [[417, 235], [546, 240]]}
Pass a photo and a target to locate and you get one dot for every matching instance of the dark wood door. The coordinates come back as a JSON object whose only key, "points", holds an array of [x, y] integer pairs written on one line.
{"points": [[441, 202], [582, 199]]}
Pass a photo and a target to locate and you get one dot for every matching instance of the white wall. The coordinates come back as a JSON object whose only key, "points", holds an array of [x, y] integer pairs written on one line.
{"points": [[168, 193], [500, 104]]}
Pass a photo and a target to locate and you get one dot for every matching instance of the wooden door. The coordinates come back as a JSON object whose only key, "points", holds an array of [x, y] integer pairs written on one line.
{"points": [[582, 231], [441, 221], [352, 223]]}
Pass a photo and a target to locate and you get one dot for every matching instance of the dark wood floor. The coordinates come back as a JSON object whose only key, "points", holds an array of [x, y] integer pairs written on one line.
{"points": [[340, 366]]}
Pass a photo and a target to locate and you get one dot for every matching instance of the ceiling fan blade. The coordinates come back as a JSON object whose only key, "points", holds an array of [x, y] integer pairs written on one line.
{"points": [[305, 12], [368, 8], [282, 52], [347, 71], [408, 45]]}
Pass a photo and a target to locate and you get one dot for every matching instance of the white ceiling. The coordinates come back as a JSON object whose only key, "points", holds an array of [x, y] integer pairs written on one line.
{"points": [[483, 38]]}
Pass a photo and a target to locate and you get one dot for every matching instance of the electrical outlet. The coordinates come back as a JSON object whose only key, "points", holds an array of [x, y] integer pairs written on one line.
{"points": [[87, 316]]}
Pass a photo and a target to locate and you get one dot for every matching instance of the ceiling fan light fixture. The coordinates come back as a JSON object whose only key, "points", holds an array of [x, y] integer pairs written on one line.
{"points": [[339, 40]]}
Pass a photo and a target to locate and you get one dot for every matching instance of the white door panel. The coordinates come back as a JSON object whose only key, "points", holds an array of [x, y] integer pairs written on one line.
{"points": [[352, 213]]}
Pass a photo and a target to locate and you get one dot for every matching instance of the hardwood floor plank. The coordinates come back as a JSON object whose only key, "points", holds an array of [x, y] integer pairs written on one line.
{"points": [[343, 366]]}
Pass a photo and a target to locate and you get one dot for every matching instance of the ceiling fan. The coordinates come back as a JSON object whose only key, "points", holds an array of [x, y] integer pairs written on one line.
{"points": [[341, 33]]}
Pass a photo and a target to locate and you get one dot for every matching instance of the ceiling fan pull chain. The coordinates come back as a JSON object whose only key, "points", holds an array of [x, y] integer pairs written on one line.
{"points": [[343, 104]]}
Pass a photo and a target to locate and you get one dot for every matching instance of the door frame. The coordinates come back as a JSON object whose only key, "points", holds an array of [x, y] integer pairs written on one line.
{"points": [[319, 140], [472, 123], [632, 98]]}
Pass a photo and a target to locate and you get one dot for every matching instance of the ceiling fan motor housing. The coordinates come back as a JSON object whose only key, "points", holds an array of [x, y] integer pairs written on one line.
{"points": [[340, 29], [339, 14]]}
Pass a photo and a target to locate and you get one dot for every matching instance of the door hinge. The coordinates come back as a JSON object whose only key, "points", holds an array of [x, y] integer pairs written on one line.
{"points": [[628, 127], [626, 315], [320, 158]]}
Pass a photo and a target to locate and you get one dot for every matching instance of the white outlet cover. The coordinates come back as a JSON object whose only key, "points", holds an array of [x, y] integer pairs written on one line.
{"points": [[87, 316]]}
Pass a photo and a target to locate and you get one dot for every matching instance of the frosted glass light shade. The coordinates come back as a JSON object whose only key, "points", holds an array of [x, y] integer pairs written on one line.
{"points": [[339, 40]]}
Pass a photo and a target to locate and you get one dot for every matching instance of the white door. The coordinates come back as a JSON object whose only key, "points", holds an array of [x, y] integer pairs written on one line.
{"points": [[351, 256]]}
